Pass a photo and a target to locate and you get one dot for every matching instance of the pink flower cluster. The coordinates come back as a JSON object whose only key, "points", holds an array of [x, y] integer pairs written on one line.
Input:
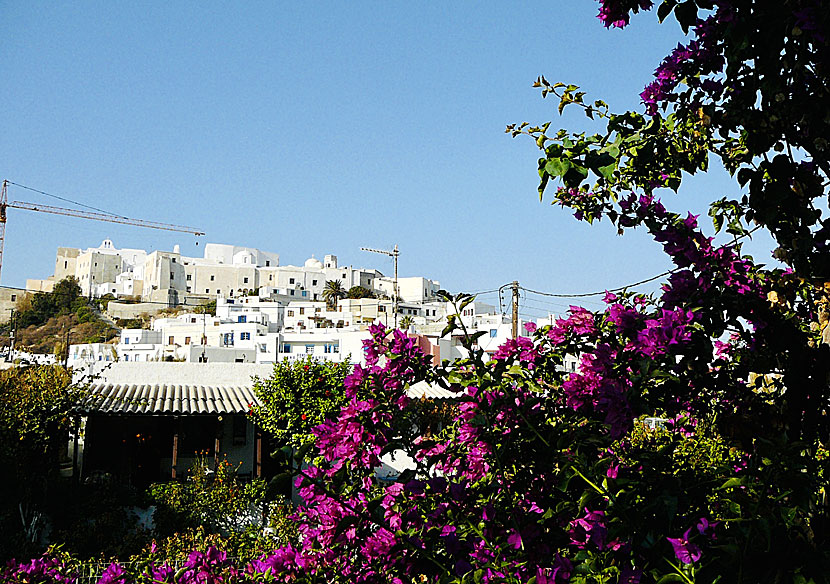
{"points": [[615, 13]]}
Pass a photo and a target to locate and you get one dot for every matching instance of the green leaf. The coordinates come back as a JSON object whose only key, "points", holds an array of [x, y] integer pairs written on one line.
{"points": [[467, 301], [665, 9], [670, 578], [575, 175], [475, 336], [557, 166], [451, 325], [686, 14], [717, 222], [733, 482], [277, 486]]}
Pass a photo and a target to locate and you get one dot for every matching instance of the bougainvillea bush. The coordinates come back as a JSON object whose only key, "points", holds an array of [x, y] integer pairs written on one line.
{"points": [[689, 444]]}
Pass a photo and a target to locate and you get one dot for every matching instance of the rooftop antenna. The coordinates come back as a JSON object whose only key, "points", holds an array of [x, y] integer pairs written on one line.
{"points": [[394, 255]]}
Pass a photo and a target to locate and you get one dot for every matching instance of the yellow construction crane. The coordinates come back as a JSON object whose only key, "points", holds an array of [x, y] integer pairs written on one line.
{"points": [[5, 204]]}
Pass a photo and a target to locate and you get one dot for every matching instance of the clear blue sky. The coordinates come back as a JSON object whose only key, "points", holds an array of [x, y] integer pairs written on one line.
{"points": [[319, 127]]}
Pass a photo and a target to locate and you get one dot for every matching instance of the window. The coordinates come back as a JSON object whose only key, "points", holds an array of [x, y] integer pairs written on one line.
{"points": [[309, 349], [302, 311], [65, 265], [314, 282], [291, 292], [271, 276], [171, 275], [227, 339], [187, 340], [207, 291], [244, 336], [286, 348], [126, 357], [218, 291], [291, 280], [14, 297], [244, 280], [290, 313], [126, 340], [381, 309], [330, 348], [493, 333], [242, 318], [212, 278], [170, 340], [193, 320], [189, 289], [318, 309], [173, 260], [188, 277], [267, 263]]}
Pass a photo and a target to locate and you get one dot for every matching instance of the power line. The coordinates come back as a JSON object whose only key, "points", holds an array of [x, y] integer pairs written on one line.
{"points": [[603, 292], [635, 284], [483, 292]]}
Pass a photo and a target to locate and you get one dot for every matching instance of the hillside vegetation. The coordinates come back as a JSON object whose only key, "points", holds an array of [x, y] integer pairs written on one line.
{"points": [[44, 319]]}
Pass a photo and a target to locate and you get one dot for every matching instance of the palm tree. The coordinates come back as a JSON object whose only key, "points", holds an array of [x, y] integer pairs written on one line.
{"points": [[333, 292], [406, 322]]}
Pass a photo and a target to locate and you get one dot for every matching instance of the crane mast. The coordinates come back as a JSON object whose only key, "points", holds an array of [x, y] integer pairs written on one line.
{"points": [[5, 204], [394, 255]]}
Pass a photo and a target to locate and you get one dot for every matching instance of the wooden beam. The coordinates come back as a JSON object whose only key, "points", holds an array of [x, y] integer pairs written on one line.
{"points": [[258, 442], [175, 450]]}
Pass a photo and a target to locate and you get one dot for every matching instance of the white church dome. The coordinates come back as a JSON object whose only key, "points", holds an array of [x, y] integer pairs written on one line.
{"points": [[313, 262]]}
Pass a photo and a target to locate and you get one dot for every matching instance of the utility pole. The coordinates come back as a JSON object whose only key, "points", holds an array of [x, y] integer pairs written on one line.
{"points": [[394, 255], [515, 287]]}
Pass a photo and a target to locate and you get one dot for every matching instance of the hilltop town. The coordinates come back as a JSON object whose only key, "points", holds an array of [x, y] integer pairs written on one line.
{"points": [[239, 305]]}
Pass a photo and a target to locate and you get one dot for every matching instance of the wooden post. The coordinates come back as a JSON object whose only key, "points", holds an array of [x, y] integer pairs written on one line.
{"points": [[216, 443], [175, 450], [258, 443]]}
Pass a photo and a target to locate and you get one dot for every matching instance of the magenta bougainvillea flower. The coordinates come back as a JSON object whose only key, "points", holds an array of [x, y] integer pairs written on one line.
{"points": [[684, 550]]}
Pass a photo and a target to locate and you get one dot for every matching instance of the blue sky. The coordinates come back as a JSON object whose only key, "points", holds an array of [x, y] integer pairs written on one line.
{"points": [[314, 128]]}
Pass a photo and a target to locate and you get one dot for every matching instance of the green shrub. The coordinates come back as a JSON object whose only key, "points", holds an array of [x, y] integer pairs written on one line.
{"points": [[212, 499]]}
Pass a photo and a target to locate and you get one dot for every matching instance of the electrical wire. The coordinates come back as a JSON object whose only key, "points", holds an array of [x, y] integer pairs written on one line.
{"points": [[635, 284]]}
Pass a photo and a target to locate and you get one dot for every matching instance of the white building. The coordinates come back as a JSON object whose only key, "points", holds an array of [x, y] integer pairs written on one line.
{"points": [[415, 289]]}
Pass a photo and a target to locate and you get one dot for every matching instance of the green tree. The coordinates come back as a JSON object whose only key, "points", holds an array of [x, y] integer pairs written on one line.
{"points": [[333, 292], [298, 396], [359, 292], [35, 419], [39, 307], [207, 308]]}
